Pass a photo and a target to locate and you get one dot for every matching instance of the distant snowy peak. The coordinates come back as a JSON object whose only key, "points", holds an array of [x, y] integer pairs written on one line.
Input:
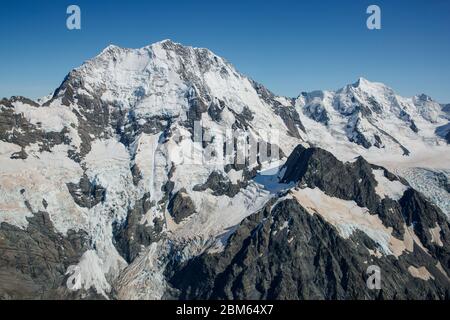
{"points": [[371, 114], [376, 96], [428, 108], [374, 88]]}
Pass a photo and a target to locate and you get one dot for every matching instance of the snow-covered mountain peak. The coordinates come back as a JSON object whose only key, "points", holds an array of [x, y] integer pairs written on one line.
{"points": [[164, 71], [423, 97], [162, 54], [109, 49], [370, 114], [362, 82], [181, 83], [365, 88]]}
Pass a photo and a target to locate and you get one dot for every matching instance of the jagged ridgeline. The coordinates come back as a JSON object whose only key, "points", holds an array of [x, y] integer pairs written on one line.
{"points": [[106, 192], [317, 240]]}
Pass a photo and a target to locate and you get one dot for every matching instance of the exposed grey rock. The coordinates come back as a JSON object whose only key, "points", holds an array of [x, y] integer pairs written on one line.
{"points": [[315, 167], [414, 127], [288, 114], [375, 106], [134, 126], [291, 119], [85, 193], [446, 108], [316, 112], [305, 260], [181, 206], [33, 262], [24, 100], [137, 175], [14, 128], [356, 136], [19, 155], [355, 181], [444, 132], [220, 185], [243, 119], [423, 216], [133, 234], [215, 110]]}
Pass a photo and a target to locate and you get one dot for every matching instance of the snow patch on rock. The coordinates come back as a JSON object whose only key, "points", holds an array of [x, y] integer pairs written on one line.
{"points": [[347, 217], [88, 273], [387, 188]]}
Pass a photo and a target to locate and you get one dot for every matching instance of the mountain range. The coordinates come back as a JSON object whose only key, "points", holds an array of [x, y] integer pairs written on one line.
{"points": [[106, 192]]}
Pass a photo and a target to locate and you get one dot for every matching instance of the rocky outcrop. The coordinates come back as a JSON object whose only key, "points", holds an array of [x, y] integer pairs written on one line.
{"points": [[243, 119], [215, 110], [135, 233], [34, 261], [181, 206], [287, 113], [287, 252], [15, 128], [283, 252], [86, 193], [315, 167], [425, 217], [220, 185]]}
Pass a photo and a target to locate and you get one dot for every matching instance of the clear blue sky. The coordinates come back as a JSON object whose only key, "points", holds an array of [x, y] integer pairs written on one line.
{"points": [[289, 46]]}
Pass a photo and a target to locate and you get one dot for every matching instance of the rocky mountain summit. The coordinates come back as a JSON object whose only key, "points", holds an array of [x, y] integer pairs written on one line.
{"points": [[162, 173]]}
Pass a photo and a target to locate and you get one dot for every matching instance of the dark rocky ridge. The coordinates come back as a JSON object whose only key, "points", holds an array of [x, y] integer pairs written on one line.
{"points": [[288, 114], [283, 252], [315, 167], [130, 236], [14, 128], [306, 260], [33, 262], [86, 194], [181, 206], [220, 185]]}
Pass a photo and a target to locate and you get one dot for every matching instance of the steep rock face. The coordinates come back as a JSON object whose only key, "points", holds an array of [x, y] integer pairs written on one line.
{"points": [[300, 247], [220, 185], [181, 206], [443, 131], [133, 234], [283, 252], [315, 167], [85, 193], [33, 262], [17, 129], [428, 222], [318, 168]]}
